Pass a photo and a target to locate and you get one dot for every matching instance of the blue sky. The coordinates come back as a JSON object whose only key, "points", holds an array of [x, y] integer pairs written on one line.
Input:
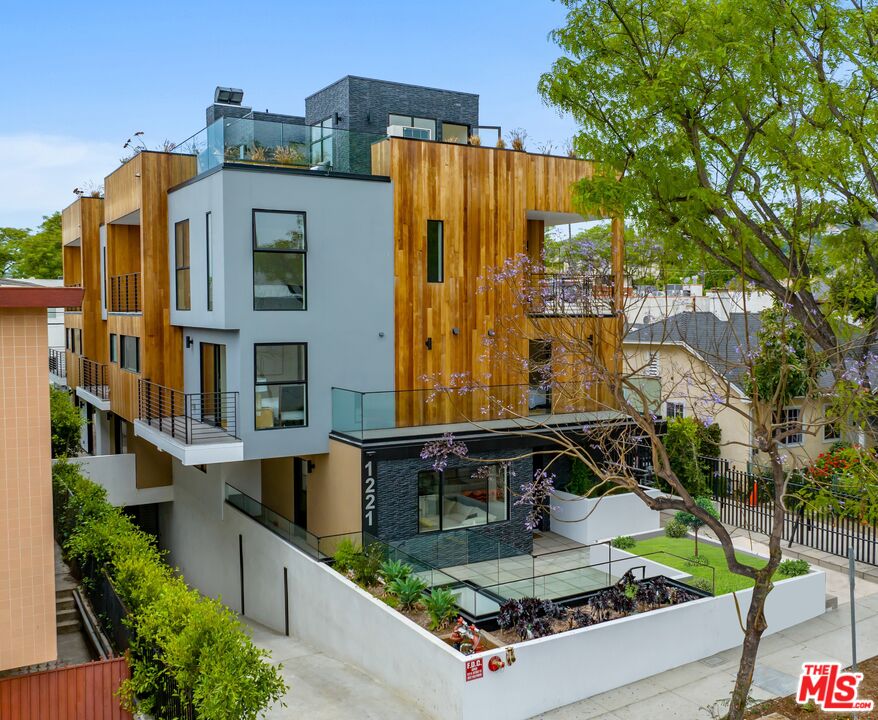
{"points": [[79, 78]]}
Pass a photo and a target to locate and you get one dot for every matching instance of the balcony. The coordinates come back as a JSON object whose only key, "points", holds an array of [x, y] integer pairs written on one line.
{"points": [[58, 367], [281, 144], [196, 428], [558, 294], [93, 386], [124, 293], [375, 415], [73, 308]]}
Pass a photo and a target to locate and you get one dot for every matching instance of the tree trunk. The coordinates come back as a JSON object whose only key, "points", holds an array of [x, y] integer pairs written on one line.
{"points": [[756, 625]]}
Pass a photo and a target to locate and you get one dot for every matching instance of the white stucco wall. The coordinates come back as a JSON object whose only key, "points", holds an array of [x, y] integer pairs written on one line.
{"points": [[117, 474], [590, 520], [339, 618]]}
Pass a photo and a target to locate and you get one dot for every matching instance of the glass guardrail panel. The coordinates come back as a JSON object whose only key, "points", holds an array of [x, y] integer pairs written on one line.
{"points": [[347, 411]]}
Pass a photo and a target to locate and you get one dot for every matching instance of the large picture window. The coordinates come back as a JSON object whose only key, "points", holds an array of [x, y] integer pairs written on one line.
{"points": [[281, 385], [181, 255], [278, 260], [462, 497], [414, 127]]}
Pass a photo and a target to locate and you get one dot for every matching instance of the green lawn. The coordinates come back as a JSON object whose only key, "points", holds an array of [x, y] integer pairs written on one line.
{"points": [[673, 552]]}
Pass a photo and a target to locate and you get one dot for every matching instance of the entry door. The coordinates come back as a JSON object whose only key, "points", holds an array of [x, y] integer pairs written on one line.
{"points": [[213, 383], [300, 492]]}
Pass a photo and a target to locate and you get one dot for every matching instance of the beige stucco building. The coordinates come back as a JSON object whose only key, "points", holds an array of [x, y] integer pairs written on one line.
{"points": [[27, 577], [696, 356]]}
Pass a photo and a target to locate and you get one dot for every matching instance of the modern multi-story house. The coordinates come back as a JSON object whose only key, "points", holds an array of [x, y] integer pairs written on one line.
{"points": [[266, 309]]}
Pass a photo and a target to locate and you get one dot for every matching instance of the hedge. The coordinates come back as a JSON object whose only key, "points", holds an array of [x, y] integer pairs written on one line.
{"points": [[177, 634]]}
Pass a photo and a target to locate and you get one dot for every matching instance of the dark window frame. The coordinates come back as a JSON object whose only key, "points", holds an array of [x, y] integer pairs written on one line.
{"points": [[831, 425], [326, 133], [437, 123], [304, 382], [303, 252], [468, 127], [208, 248], [185, 268], [123, 354], [114, 348], [678, 409], [786, 425], [440, 253], [441, 474]]}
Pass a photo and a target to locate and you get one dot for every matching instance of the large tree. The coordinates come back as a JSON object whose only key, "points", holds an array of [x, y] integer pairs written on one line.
{"points": [[28, 253], [746, 128]]}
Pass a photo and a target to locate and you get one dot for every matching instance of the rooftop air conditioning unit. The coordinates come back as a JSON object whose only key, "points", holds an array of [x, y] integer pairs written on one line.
{"points": [[407, 131]]}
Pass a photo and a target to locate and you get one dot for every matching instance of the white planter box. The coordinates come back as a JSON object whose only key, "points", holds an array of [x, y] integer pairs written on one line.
{"points": [[591, 520]]}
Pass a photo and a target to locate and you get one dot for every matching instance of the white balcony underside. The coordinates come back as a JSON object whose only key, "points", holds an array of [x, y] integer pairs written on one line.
{"points": [[218, 450], [92, 399], [58, 380]]}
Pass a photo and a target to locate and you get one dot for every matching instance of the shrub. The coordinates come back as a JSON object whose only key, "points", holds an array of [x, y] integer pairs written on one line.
{"points": [[701, 583], [66, 422], [394, 570], [177, 634], [367, 564], [409, 590], [582, 479], [681, 441], [676, 529], [794, 568], [623, 542], [441, 605], [345, 556], [529, 617], [696, 561]]}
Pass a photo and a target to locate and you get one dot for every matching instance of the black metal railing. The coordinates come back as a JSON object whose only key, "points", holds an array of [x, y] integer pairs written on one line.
{"points": [[58, 362], [562, 294], [746, 500], [125, 293], [93, 378], [191, 418]]}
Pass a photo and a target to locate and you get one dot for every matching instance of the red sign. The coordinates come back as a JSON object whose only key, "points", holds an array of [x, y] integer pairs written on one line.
{"points": [[831, 688], [474, 669]]}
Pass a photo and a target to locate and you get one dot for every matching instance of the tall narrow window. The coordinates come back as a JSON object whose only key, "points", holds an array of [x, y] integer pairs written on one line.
{"points": [[129, 355], [281, 385], [114, 357], [278, 260], [321, 142], [181, 254], [790, 426], [435, 251], [208, 252]]}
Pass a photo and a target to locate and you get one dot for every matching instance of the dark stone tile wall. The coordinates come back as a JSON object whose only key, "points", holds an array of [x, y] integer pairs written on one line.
{"points": [[397, 504]]}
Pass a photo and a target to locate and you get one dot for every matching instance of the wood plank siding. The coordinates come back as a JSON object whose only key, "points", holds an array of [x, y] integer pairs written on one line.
{"points": [[483, 197]]}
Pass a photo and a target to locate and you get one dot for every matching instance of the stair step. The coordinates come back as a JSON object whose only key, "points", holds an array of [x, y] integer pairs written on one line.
{"points": [[68, 626], [64, 615], [65, 603]]}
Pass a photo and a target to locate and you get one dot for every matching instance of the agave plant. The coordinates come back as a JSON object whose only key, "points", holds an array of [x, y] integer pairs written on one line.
{"points": [[409, 590], [394, 570]]}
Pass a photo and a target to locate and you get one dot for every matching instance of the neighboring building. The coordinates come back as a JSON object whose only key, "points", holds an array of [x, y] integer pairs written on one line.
{"points": [[698, 358], [263, 306], [647, 305], [27, 565]]}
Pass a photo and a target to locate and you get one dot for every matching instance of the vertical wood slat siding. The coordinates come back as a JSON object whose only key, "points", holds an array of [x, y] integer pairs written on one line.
{"points": [[78, 692]]}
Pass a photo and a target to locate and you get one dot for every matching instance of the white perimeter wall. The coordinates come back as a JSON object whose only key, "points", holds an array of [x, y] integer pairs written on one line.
{"points": [[117, 474], [337, 617], [590, 520]]}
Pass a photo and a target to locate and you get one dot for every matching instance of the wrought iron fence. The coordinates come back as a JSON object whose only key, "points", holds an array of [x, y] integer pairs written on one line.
{"points": [[746, 500]]}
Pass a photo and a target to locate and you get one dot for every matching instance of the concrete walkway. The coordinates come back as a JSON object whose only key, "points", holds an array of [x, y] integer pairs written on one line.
{"points": [[323, 688]]}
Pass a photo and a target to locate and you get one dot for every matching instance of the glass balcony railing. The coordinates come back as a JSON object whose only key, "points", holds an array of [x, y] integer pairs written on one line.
{"points": [[355, 413], [281, 144]]}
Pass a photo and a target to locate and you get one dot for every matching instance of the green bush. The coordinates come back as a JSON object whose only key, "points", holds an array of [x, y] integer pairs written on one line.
{"points": [[66, 422], [681, 441], [701, 584], [345, 556], [441, 606], [367, 564], [794, 568], [676, 529], [696, 561], [394, 570], [582, 479], [623, 542], [409, 590], [695, 523], [176, 633]]}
